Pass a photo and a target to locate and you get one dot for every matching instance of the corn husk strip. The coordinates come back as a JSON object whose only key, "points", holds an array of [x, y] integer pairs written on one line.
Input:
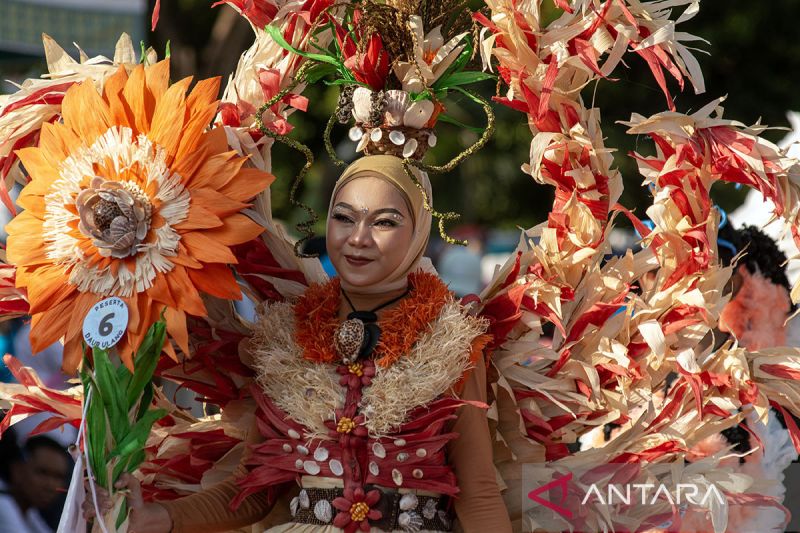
{"points": [[29, 396]]}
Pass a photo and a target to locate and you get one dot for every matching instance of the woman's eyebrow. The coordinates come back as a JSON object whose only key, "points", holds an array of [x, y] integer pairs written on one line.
{"points": [[390, 210]]}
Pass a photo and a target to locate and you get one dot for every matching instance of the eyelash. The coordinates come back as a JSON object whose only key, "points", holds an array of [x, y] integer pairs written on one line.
{"points": [[341, 218], [386, 223], [383, 222]]}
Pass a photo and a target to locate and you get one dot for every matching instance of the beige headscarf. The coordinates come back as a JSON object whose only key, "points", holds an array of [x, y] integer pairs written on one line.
{"points": [[391, 169]]}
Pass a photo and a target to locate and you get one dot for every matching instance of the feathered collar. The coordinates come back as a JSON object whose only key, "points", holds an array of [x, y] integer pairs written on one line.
{"points": [[316, 316]]}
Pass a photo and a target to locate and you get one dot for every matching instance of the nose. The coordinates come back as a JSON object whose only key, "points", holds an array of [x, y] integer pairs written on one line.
{"points": [[361, 236]]}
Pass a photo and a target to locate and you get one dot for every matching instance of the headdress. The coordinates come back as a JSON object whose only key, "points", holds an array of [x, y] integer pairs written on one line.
{"points": [[395, 63]]}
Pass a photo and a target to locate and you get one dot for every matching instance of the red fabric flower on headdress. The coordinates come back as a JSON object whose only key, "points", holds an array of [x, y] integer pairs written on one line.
{"points": [[370, 66]]}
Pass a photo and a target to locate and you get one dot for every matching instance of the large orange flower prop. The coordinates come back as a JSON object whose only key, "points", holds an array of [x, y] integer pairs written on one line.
{"points": [[132, 196]]}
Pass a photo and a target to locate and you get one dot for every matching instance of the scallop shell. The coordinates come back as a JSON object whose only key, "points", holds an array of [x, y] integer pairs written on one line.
{"points": [[397, 103], [408, 502], [432, 139], [397, 477], [379, 450], [410, 521], [293, 505], [304, 500], [410, 148], [336, 467], [321, 454], [362, 102], [445, 519], [355, 134], [418, 114], [429, 511], [311, 467], [323, 511], [397, 137], [302, 450], [376, 135]]}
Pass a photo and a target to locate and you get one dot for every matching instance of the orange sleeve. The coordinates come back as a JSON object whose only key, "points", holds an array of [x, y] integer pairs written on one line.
{"points": [[479, 506]]}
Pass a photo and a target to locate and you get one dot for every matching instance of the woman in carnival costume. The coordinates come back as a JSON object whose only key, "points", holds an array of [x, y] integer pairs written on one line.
{"points": [[357, 403], [373, 388]]}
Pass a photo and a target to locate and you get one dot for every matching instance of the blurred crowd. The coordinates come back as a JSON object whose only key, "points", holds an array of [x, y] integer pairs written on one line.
{"points": [[34, 468]]}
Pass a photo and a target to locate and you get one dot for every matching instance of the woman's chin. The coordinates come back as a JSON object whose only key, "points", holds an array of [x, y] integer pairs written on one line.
{"points": [[359, 279]]}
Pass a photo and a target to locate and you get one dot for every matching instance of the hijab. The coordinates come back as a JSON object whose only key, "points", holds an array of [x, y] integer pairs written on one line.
{"points": [[391, 169]]}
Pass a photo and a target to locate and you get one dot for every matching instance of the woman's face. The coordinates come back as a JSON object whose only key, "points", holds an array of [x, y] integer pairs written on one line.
{"points": [[369, 231]]}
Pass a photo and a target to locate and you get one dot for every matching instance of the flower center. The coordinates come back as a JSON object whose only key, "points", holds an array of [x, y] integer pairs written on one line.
{"points": [[115, 215], [345, 425], [104, 213], [356, 369], [358, 511]]}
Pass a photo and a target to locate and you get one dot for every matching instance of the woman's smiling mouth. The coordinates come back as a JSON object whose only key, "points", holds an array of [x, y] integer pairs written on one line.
{"points": [[357, 260]]}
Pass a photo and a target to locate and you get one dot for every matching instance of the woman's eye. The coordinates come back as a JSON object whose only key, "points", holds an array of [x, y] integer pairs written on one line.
{"points": [[342, 218], [386, 223]]}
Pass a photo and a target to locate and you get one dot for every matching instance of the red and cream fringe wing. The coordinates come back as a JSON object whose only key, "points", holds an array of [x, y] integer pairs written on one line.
{"points": [[612, 347]]}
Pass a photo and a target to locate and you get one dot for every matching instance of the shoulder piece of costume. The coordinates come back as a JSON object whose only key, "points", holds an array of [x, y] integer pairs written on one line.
{"points": [[368, 423], [422, 355]]}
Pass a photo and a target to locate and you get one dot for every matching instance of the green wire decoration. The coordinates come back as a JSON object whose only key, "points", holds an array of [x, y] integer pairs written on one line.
{"points": [[329, 144], [448, 167], [304, 227]]}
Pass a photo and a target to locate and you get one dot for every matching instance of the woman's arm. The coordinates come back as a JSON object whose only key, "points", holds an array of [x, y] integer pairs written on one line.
{"points": [[210, 511], [479, 506]]}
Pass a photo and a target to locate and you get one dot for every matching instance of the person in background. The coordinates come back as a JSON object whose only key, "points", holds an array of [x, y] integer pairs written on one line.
{"points": [[8, 332], [31, 479]]}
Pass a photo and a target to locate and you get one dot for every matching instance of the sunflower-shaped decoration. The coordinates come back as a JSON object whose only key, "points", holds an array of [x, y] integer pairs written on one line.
{"points": [[133, 196]]}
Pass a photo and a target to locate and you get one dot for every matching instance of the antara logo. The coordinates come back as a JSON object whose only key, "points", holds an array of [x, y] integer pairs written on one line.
{"points": [[562, 484], [623, 494]]}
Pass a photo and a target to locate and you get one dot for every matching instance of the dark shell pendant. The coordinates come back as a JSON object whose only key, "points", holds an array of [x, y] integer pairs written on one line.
{"points": [[357, 336]]}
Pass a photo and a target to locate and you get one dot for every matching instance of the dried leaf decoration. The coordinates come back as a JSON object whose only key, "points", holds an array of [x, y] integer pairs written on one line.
{"points": [[130, 196]]}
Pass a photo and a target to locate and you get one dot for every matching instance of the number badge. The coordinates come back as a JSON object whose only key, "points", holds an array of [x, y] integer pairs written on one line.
{"points": [[105, 323]]}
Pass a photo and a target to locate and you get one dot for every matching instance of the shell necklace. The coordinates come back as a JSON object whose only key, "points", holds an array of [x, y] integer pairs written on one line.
{"points": [[359, 334]]}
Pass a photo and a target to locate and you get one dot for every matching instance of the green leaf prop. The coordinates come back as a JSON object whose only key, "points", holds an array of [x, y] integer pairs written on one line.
{"points": [[119, 418], [317, 72], [450, 120], [276, 35], [462, 78]]}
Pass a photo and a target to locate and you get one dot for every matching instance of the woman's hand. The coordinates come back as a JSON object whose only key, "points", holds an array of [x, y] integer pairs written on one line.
{"points": [[144, 517]]}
